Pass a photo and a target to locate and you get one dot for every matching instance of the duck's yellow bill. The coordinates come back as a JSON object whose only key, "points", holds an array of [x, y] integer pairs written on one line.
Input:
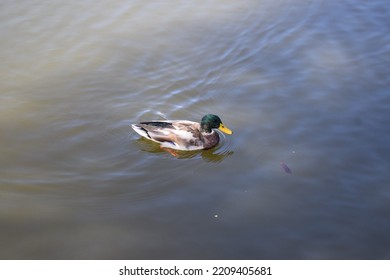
{"points": [[225, 129]]}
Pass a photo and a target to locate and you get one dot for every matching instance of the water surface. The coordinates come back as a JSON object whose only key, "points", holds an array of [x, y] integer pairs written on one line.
{"points": [[303, 83]]}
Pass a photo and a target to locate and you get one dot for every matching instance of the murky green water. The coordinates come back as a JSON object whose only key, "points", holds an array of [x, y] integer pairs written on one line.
{"points": [[300, 82]]}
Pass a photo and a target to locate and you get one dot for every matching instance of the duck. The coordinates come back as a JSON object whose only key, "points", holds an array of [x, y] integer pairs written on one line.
{"points": [[182, 134]]}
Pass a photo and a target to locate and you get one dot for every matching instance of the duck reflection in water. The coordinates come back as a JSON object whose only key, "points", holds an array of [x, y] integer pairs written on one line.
{"points": [[216, 154]]}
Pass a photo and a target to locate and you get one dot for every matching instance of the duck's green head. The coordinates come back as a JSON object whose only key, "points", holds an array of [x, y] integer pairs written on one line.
{"points": [[212, 121]]}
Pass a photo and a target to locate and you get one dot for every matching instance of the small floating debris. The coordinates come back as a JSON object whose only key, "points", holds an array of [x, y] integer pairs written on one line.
{"points": [[285, 168]]}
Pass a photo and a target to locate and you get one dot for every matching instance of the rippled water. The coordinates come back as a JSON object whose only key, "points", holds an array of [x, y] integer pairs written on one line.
{"points": [[305, 83]]}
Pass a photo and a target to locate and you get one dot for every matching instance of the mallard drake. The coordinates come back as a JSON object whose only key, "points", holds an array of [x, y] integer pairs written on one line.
{"points": [[183, 135]]}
